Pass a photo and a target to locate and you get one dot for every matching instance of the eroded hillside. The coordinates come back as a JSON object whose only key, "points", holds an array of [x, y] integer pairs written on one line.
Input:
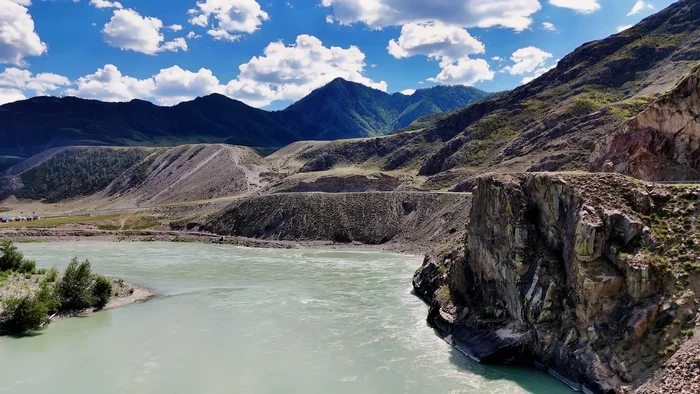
{"points": [[661, 143], [550, 124]]}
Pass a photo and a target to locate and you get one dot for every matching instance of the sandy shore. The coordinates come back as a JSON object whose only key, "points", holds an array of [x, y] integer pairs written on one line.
{"points": [[127, 294]]}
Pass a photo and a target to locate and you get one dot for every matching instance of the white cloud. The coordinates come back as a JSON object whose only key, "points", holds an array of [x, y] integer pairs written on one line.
{"points": [[284, 72], [25, 3], [434, 40], [538, 73], [178, 44], [106, 4], [230, 16], [527, 60], [582, 6], [223, 35], [620, 29], [464, 72], [497, 59], [10, 95], [290, 72], [174, 85], [449, 44], [548, 26], [128, 30], [108, 84], [17, 36], [15, 84], [175, 27], [471, 13], [192, 35], [639, 6], [329, 19], [408, 92]]}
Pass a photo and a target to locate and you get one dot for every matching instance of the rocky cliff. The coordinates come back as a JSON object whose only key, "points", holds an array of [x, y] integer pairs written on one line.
{"points": [[661, 143], [591, 277], [369, 218]]}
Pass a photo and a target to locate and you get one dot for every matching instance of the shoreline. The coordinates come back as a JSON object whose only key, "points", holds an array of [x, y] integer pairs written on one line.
{"points": [[138, 296], [50, 235]]}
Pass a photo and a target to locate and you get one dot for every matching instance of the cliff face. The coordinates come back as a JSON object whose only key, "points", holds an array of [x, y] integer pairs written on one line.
{"points": [[591, 277], [370, 218], [661, 143]]}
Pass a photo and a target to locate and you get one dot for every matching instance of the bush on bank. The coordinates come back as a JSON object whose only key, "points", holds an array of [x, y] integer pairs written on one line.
{"points": [[75, 290]]}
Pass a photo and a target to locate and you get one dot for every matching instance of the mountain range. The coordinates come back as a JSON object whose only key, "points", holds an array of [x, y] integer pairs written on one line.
{"points": [[338, 110]]}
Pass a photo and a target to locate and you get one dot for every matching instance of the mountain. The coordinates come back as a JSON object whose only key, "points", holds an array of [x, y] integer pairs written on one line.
{"points": [[554, 123], [31, 126], [354, 110]]}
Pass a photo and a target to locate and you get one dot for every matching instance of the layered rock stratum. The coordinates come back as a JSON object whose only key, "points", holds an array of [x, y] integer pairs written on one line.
{"points": [[592, 277]]}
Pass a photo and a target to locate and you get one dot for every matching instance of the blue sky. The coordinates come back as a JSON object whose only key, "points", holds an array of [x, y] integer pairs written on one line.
{"points": [[271, 53]]}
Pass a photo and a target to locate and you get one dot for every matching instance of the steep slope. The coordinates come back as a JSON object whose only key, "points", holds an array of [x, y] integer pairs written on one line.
{"points": [[118, 178], [552, 123], [350, 110], [661, 143], [67, 173], [592, 277], [31, 126], [186, 173]]}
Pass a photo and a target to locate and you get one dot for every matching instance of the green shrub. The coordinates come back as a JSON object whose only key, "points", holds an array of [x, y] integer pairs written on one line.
{"points": [[51, 275], [27, 267], [74, 290], [101, 291], [10, 257], [47, 296], [22, 315]]}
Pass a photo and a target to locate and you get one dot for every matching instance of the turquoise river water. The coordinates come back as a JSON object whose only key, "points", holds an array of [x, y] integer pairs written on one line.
{"points": [[235, 320]]}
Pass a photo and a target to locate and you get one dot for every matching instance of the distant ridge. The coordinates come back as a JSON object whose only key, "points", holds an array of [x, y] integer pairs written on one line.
{"points": [[31, 126]]}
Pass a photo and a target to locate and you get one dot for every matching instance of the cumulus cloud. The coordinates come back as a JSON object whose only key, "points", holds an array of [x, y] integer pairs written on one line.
{"points": [[450, 45], [15, 84], [10, 95], [128, 30], [582, 6], [408, 92], [175, 27], [638, 7], [464, 72], [108, 84], [174, 85], [229, 16], [283, 72], [434, 40], [192, 35], [17, 36], [290, 72], [106, 4], [548, 26], [620, 29], [527, 60], [378, 14]]}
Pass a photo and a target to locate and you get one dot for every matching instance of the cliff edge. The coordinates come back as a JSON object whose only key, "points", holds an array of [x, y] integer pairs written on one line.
{"points": [[592, 277]]}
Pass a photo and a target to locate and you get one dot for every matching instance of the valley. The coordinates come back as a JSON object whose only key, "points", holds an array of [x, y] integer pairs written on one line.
{"points": [[559, 221]]}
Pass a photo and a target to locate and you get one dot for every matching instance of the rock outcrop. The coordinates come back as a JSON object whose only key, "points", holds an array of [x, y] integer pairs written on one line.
{"points": [[661, 143], [368, 218], [591, 277]]}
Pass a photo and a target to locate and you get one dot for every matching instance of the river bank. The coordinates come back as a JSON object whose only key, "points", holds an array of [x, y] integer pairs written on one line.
{"points": [[91, 233]]}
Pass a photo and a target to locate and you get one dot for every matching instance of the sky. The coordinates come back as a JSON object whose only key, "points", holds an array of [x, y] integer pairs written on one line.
{"points": [[270, 53]]}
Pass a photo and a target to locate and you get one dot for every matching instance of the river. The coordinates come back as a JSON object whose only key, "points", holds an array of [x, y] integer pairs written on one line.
{"points": [[236, 320]]}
